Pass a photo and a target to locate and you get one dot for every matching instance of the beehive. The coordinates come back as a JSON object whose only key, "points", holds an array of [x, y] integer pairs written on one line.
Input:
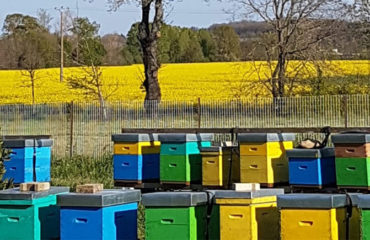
{"points": [[30, 159], [364, 206], [136, 157], [180, 159], [352, 160], [216, 164], [109, 214], [263, 157], [175, 215], [312, 167], [30, 215], [315, 216], [247, 215]]}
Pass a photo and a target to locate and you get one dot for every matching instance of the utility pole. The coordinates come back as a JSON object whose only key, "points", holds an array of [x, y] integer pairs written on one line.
{"points": [[61, 10]]}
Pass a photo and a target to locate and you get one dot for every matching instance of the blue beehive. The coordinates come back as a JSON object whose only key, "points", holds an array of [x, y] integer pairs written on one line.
{"points": [[312, 167], [106, 215], [30, 160], [136, 157]]}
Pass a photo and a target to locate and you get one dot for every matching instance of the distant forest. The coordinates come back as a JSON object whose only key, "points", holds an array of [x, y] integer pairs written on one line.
{"points": [[237, 41]]}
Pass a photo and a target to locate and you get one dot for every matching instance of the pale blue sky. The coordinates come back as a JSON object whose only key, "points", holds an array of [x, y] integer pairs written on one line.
{"points": [[187, 13]]}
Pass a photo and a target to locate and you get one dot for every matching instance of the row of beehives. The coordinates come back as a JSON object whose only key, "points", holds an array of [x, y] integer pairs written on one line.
{"points": [[268, 159], [214, 214]]}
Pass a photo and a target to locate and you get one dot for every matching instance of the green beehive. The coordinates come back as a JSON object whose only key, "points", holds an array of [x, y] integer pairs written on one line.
{"points": [[180, 159], [175, 215], [29, 215], [352, 161]]}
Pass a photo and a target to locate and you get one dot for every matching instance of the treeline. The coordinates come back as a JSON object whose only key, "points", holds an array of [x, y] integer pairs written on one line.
{"points": [[28, 43]]}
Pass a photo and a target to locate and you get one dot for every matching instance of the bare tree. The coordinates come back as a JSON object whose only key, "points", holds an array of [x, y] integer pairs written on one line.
{"points": [[88, 77], [298, 30]]}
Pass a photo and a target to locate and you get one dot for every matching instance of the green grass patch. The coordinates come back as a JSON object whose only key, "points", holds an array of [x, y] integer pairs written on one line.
{"points": [[80, 170]]}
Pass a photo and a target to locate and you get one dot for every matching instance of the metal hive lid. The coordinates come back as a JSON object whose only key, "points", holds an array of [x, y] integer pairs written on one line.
{"points": [[105, 198], [265, 137], [133, 137], [350, 138], [174, 199], [231, 194], [210, 149], [186, 137], [21, 143], [15, 194], [310, 153], [313, 201]]}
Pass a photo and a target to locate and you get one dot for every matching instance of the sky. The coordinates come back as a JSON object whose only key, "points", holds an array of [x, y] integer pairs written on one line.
{"points": [[185, 13]]}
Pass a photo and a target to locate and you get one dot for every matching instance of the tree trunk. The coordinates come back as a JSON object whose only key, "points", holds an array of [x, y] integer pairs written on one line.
{"points": [[102, 104], [32, 78], [148, 37]]}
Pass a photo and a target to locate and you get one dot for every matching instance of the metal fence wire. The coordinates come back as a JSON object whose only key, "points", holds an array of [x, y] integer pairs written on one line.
{"points": [[86, 128]]}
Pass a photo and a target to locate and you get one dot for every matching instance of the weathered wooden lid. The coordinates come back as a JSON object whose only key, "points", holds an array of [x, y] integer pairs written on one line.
{"points": [[350, 138], [185, 137], [314, 201], [21, 143], [265, 137], [310, 153], [231, 194], [174, 199], [133, 137], [104, 198], [16, 194]]}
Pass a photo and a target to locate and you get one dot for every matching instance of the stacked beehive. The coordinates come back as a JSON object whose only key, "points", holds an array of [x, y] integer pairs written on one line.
{"points": [[246, 215], [217, 165], [180, 159], [30, 159], [136, 158], [352, 160], [263, 157]]}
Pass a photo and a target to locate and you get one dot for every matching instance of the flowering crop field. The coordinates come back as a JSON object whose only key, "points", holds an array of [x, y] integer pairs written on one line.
{"points": [[178, 81]]}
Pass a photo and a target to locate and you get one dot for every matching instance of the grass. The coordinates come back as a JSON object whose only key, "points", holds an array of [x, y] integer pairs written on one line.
{"points": [[81, 169]]}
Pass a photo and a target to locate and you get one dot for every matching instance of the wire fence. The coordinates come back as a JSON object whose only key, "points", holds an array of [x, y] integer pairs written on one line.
{"points": [[86, 128]]}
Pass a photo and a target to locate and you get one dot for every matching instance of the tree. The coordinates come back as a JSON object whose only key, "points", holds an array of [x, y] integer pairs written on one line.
{"points": [[208, 45], [148, 36], [91, 53], [31, 45], [227, 44], [4, 155], [297, 32]]}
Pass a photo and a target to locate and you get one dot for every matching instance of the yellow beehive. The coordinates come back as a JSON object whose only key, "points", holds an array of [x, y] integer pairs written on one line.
{"points": [[263, 157], [138, 148], [315, 216], [248, 215], [262, 169], [216, 166]]}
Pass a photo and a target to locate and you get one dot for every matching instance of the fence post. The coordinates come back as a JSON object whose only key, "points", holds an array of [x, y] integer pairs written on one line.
{"points": [[345, 110], [199, 113], [71, 131]]}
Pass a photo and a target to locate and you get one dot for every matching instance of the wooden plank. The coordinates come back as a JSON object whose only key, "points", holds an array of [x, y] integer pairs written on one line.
{"points": [[241, 130], [246, 187], [34, 186], [90, 188]]}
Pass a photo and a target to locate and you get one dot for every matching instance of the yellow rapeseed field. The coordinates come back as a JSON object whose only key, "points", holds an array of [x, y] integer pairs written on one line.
{"points": [[208, 81]]}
